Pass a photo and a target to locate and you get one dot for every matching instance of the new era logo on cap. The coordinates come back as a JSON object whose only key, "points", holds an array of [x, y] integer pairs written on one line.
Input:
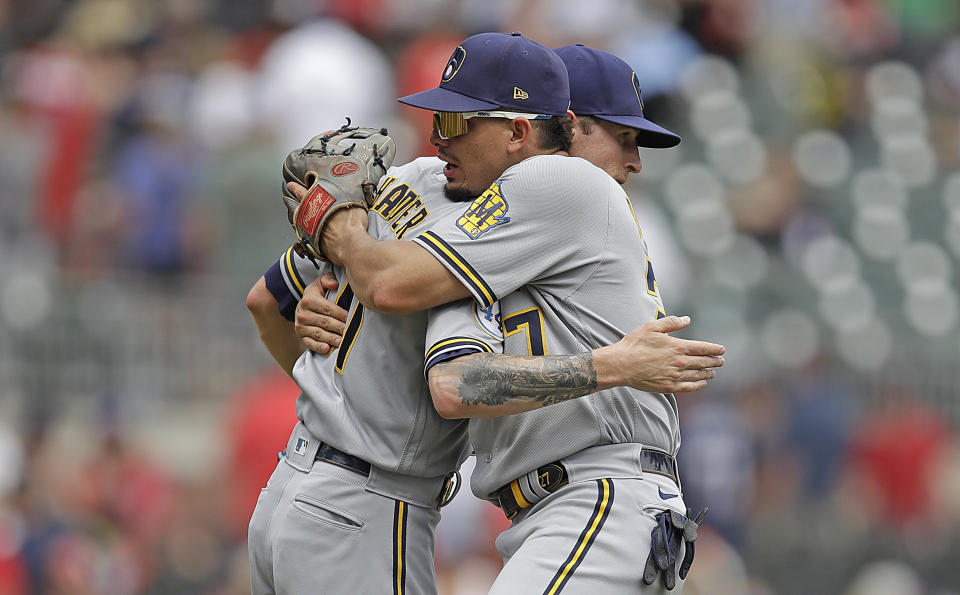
{"points": [[494, 71]]}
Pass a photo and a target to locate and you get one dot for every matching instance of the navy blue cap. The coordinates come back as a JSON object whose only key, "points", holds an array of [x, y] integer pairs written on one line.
{"points": [[604, 86], [493, 71]]}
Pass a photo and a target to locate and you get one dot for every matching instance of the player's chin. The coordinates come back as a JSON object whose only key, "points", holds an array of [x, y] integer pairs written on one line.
{"points": [[458, 192]]}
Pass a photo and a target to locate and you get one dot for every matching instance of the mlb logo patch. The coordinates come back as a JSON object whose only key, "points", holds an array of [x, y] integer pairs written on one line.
{"points": [[301, 446]]}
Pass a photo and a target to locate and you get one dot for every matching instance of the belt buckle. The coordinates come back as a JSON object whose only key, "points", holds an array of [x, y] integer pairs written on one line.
{"points": [[510, 514], [504, 503], [450, 488]]}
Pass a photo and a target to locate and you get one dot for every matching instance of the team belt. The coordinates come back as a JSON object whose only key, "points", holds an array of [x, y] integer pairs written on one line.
{"points": [[325, 452], [527, 490], [337, 457]]}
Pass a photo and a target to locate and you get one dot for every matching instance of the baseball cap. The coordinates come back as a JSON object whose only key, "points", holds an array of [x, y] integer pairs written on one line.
{"points": [[492, 71], [604, 86]]}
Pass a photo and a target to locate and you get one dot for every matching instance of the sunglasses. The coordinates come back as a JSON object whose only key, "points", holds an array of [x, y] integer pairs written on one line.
{"points": [[452, 124]]}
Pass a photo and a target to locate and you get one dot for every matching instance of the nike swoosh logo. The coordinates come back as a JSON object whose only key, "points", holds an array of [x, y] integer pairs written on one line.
{"points": [[665, 496]]}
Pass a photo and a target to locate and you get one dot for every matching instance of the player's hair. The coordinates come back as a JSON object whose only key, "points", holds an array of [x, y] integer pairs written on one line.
{"points": [[556, 133], [587, 123]]}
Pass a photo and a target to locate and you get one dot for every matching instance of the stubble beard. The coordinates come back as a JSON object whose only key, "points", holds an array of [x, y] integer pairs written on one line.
{"points": [[459, 194]]}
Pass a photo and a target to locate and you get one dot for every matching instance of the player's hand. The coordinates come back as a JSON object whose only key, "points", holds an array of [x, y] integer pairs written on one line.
{"points": [[319, 322], [339, 229], [649, 359]]}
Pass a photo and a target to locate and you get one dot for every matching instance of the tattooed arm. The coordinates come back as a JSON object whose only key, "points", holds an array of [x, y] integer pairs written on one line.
{"points": [[488, 385], [647, 358]]}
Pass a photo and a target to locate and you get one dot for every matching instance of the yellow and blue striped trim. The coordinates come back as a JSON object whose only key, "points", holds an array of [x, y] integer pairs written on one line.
{"points": [[293, 275], [399, 547], [459, 266], [350, 332], [589, 534], [453, 347]]}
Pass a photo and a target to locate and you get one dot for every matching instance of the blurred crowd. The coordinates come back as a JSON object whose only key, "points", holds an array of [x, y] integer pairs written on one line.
{"points": [[809, 221]]}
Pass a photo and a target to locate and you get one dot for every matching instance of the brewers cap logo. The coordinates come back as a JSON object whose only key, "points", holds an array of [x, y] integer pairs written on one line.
{"points": [[636, 88], [453, 66], [486, 212]]}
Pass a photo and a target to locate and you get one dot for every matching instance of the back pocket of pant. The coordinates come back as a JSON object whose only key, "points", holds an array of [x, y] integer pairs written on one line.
{"points": [[326, 513]]}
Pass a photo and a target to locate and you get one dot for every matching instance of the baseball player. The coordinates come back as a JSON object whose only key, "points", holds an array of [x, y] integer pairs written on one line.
{"points": [[592, 481], [363, 472]]}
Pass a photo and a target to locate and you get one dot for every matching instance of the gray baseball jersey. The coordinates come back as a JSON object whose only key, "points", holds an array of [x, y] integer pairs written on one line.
{"points": [[369, 399], [556, 241]]}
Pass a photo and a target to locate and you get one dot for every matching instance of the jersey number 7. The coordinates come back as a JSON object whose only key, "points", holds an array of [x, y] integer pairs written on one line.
{"points": [[531, 321]]}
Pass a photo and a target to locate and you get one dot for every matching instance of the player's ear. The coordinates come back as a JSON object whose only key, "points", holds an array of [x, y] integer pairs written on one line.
{"points": [[522, 134]]}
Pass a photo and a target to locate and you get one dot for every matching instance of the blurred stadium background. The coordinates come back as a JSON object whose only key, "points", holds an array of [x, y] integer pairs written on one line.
{"points": [[810, 221]]}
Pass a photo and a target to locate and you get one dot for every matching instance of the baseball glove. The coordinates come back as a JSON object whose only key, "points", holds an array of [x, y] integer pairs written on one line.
{"points": [[340, 168]]}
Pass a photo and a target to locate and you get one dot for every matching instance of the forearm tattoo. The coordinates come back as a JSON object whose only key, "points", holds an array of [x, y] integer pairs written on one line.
{"points": [[488, 379]]}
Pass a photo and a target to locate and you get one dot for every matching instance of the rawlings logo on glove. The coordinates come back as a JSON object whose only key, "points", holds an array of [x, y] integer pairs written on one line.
{"points": [[341, 169], [312, 209]]}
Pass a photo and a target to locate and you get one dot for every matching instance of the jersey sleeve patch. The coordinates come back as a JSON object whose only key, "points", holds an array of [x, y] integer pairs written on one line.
{"points": [[452, 348], [486, 212], [445, 253], [489, 320]]}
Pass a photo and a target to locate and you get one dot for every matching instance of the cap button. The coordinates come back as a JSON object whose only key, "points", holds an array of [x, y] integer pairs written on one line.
{"points": [[517, 34], [580, 45]]}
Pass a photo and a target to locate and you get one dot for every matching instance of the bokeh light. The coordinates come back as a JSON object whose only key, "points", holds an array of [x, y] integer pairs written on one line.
{"points": [[931, 308], [716, 112], [951, 192], [924, 264], [911, 157], [830, 260], [881, 232], [847, 306], [26, 300], [879, 187], [866, 348], [708, 74], [952, 232], [894, 79], [896, 116], [738, 155], [691, 184], [742, 266], [822, 157], [790, 338], [706, 227]]}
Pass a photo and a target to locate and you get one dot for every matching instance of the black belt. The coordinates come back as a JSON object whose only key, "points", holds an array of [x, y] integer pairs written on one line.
{"points": [[325, 452], [512, 498], [332, 455]]}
